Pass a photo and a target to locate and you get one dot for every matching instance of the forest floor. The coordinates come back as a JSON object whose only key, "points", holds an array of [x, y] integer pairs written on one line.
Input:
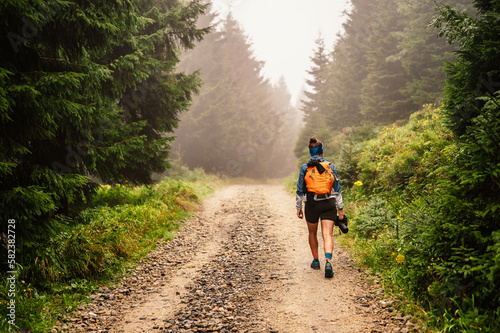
{"points": [[241, 265]]}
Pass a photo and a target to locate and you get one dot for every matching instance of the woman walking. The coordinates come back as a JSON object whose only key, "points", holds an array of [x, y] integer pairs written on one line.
{"points": [[318, 186]]}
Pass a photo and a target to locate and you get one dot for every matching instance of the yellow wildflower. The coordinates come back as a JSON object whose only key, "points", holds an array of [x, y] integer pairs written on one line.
{"points": [[358, 183], [400, 259]]}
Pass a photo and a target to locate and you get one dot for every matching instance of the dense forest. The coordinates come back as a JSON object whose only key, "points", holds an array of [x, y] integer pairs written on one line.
{"points": [[87, 90], [386, 64], [96, 97]]}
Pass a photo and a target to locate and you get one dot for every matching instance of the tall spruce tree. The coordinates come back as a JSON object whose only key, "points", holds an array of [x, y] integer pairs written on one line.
{"points": [[87, 88], [349, 67], [384, 65], [421, 52], [314, 105], [382, 101], [318, 72]]}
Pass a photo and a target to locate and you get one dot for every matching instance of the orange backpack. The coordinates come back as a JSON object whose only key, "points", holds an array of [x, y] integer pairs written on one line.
{"points": [[319, 177]]}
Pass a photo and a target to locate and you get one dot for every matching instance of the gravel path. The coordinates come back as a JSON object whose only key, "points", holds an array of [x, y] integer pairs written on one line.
{"points": [[240, 265]]}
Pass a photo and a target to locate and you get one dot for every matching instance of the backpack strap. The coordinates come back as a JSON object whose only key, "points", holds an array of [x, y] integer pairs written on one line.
{"points": [[333, 173], [316, 163]]}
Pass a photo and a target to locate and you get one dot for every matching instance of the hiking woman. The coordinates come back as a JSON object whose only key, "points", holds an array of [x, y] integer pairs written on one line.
{"points": [[318, 186]]}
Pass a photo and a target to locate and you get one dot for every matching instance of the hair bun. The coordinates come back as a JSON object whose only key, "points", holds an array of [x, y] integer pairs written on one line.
{"points": [[313, 140]]}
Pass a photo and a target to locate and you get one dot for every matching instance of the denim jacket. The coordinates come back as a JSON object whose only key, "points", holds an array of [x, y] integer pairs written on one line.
{"points": [[302, 187]]}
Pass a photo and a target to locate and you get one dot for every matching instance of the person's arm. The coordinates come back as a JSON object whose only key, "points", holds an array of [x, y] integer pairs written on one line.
{"points": [[300, 192], [337, 193]]}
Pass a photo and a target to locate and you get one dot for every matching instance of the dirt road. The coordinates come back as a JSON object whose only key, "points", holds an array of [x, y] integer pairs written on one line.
{"points": [[240, 265]]}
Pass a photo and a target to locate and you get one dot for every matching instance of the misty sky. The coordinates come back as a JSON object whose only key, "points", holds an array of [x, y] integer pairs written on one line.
{"points": [[283, 32]]}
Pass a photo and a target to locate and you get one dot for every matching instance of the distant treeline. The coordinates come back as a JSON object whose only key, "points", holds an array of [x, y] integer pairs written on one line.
{"points": [[240, 124]]}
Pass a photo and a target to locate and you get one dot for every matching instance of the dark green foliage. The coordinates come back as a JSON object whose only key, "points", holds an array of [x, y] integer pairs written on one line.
{"points": [[123, 226], [439, 174], [346, 165], [421, 52], [349, 68], [375, 218], [87, 89], [382, 100], [317, 83], [313, 105], [475, 74], [470, 211], [443, 227], [386, 64]]}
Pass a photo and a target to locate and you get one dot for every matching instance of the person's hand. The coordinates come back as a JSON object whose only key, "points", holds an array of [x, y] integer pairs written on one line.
{"points": [[300, 214], [341, 214]]}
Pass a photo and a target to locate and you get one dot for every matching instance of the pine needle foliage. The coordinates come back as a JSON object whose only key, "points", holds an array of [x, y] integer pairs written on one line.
{"points": [[448, 186], [472, 106], [88, 90]]}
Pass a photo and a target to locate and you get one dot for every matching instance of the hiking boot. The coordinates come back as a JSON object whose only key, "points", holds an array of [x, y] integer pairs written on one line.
{"points": [[315, 264], [328, 270]]}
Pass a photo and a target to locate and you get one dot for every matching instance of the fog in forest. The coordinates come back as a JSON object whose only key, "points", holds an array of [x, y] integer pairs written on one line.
{"points": [[380, 62], [108, 107], [240, 123]]}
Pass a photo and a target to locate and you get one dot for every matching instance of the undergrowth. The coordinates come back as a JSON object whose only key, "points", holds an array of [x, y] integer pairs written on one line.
{"points": [[412, 225], [416, 224], [121, 225]]}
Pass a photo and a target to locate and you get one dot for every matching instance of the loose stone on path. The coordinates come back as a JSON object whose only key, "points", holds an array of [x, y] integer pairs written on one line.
{"points": [[224, 272]]}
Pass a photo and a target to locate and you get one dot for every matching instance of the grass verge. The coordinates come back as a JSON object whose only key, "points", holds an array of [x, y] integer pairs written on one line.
{"points": [[121, 226]]}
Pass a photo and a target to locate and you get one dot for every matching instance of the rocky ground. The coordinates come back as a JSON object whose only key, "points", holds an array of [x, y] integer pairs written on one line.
{"points": [[240, 265]]}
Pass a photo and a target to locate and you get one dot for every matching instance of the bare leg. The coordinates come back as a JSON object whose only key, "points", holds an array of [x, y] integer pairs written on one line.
{"points": [[327, 232], [313, 237]]}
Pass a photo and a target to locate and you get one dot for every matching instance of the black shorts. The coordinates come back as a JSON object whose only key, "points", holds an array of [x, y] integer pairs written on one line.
{"points": [[322, 209]]}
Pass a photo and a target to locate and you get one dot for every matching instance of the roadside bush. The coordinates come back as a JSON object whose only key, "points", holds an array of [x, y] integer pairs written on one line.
{"points": [[374, 218], [441, 220], [124, 224], [407, 161], [121, 194]]}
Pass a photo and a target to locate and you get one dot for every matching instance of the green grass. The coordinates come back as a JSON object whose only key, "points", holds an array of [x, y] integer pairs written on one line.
{"points": [[399, 233], [120, 227], [409, 229], [290, 182]]}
